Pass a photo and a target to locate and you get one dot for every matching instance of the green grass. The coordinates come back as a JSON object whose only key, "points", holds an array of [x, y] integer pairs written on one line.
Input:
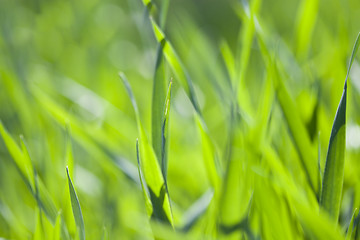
{"points": [[179, 119]]}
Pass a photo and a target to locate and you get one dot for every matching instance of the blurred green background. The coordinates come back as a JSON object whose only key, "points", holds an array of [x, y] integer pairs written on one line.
{"points": [[59, 64]]}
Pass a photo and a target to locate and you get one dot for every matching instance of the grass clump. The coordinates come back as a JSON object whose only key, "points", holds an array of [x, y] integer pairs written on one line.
{"points": [[215, 127]]}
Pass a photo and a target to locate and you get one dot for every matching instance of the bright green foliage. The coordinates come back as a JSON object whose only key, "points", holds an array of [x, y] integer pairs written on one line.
{"points": [[221, 135]]}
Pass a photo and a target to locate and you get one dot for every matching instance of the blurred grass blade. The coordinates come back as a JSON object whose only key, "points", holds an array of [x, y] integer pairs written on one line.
{"points": [[22, 160], [335, 160], [306, 20], [96, 142], [196, 210], [209, 155], [46, 201], [298, 131], [350, 231], [152, 172], [79, 220], [58, 226], [23, 163], [176, 65], [105, 235], [39, 229]]}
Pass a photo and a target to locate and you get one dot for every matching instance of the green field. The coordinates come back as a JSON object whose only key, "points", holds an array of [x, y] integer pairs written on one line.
{"points": [[179, 119]]}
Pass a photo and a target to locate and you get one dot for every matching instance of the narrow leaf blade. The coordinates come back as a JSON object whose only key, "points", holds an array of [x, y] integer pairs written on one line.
{"points": [[75, 204]]}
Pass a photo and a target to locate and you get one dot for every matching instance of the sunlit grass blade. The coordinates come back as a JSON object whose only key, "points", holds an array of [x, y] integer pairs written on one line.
{"points": [[350, 231], [161, 209], [21, 159], [75, 204], [335, 160], [158, 99]]}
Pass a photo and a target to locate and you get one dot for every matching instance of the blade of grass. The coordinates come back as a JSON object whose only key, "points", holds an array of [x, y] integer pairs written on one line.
{"points": [[144, 187], [296, 126], [165, 134], [212, 164], [105, 235], [350, 231], [23, 163], [176, 65], [75, 204], [335, 160], [306, 19], [196, 210], [152, 172], [21, 159], [158, 99], [244, 46]]}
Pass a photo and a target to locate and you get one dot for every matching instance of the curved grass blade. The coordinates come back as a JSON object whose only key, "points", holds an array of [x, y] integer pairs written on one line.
{"points": [[161, 209], [79, 220], [350, 231], [330, 199]]}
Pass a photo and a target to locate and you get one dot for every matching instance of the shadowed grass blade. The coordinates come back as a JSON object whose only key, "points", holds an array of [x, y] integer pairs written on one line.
{"points": [[75, 204], [334, 168]]}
